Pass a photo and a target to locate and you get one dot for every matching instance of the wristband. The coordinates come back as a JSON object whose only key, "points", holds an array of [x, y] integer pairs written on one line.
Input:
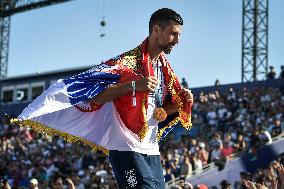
{"points": [[133, 93]]}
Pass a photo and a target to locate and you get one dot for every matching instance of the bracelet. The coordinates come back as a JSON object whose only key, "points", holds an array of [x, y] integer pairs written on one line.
{"points": [[133, 93]]}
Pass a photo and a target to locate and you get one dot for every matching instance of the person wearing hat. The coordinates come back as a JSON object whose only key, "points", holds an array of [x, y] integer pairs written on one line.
{"points": [[33, 184]]}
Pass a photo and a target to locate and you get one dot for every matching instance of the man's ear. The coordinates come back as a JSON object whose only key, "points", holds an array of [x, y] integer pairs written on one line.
{"points": [[156, 28]]}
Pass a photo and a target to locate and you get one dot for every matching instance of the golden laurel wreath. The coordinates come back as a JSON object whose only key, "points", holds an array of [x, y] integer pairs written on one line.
{"points": [[160, 114]]}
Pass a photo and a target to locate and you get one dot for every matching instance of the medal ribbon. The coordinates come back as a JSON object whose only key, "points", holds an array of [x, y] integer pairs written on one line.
{"points": [[158, 96]]}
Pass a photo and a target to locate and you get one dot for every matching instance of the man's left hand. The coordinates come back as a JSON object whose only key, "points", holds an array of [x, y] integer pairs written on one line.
{"points": [[188, 95]]}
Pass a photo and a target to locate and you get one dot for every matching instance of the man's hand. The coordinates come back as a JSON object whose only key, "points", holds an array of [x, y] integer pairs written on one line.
{"points": [[118, 90], [146, 84], [274, 183], [281, 172], [70, 184], [6, 186], [187, 93], [250, 185]]}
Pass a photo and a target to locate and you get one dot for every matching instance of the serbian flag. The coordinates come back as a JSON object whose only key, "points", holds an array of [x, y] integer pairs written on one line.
{"points": [[65, 109], [62, 109]]}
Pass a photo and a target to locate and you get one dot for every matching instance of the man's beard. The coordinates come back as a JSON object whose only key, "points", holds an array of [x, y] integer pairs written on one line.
{"points": [[167, 48]]}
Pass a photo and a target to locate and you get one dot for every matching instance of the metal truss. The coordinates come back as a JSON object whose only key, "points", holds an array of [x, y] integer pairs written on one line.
{"points": [[4, 45], [7, 9], [254, 40]]}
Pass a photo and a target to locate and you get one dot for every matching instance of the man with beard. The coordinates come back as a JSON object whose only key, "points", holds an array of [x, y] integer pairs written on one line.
{"points": [[124, 106], [135, 162]]}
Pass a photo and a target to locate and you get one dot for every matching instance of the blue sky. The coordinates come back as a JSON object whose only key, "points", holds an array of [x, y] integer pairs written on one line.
{"points": [[68, 36]]}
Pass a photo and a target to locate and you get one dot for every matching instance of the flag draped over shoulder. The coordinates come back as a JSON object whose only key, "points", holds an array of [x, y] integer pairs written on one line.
{"points": [[65, 108]]}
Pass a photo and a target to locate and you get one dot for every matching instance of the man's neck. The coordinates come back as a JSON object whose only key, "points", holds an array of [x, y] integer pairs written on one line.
{"points": [[153, 50]]}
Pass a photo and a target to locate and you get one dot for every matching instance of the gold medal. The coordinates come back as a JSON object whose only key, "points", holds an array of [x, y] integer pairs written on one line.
{"points": [[160, 114]]}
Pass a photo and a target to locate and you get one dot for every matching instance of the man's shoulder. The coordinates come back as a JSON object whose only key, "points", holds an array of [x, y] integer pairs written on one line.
{"points": [[132, 59], [126, 58], [133, 55]]}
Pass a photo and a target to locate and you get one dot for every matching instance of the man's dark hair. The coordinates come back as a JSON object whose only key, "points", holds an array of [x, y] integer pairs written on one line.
{"points": [[162, 17]]}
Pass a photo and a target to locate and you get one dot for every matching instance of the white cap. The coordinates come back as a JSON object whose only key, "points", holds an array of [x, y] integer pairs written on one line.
{"points": [[201, 145], [34, 181]]}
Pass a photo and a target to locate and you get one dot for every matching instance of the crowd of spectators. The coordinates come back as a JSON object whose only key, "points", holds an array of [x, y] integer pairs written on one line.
{"points": [[28, 157], [271, 177], [235, 122], [239, 121]]}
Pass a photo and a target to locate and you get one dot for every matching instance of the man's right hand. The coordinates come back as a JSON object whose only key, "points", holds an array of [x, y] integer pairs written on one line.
{"points": [[117, 90], [146, 84]]}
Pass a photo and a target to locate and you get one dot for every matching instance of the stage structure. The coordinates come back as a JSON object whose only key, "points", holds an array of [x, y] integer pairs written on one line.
{"points": [[254, 40], [254, 34], [7, 9]]}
